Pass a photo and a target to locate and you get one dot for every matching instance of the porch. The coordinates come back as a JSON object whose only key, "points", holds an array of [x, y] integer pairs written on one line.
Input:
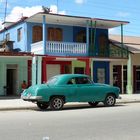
{"points": [[60, 48], [63, 35], [57, 48]]}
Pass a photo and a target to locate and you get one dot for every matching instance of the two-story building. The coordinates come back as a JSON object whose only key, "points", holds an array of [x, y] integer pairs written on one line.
{"points": [[65, 44]]}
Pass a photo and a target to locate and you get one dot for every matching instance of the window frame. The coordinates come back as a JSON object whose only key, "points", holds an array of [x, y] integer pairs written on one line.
{"points": [[19, 34], [7, 36]]}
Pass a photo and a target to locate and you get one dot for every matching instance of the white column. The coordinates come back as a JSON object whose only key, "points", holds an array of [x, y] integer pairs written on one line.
{"points": [[34, 70], [87, 36], [129, 75], [44, 34], [122, 80], [39, 69]]}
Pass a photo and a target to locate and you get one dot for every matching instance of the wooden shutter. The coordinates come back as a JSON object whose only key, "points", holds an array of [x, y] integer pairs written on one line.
{"points": [[58, 34], [55, 34], [37, 34], [50, 34]]}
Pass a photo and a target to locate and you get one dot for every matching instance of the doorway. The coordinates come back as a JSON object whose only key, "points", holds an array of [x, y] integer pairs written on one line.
{"points": [[52, 70], [11, 78], [136, 82], [101, 75], [101, 72]]}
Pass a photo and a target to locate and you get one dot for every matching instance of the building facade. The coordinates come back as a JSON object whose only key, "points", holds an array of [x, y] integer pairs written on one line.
{"points": [[66, 44], [14, 68], [128, 71]]}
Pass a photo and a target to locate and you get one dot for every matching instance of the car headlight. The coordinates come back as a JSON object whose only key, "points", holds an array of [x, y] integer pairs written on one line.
{"points": [[29, 95]]}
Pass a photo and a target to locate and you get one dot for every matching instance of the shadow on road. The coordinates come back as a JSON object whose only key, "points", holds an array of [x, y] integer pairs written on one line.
{"points": [[79, 107]]}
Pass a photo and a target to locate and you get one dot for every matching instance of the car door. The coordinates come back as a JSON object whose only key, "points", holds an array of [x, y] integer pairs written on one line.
{"points": [[85, 89], [69, 90]]}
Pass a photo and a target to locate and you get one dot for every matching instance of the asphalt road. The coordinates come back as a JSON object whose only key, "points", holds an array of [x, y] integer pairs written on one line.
{"points": [[121, 122]]}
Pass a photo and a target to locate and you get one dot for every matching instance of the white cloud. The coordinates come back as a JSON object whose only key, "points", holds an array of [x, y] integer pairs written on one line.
{"points": [[18, 12], [54, 9], [80, 1], [123, 14]]}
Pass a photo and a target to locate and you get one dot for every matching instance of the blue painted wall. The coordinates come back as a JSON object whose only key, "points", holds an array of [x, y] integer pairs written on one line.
{"points": [[93, 51], [100, 64], [13, 36], [76, 30], [69, 35], [98, 33], [67, 32]]}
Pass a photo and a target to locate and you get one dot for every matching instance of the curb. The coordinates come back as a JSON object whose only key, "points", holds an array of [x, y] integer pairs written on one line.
{"points": [[17, 108], [127, 102]]}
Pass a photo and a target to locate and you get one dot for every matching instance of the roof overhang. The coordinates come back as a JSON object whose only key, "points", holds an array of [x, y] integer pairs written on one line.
{"points": [[59, 19], [72, 58], [105, 23], [16, 54], [75, 20], [131, 42]]}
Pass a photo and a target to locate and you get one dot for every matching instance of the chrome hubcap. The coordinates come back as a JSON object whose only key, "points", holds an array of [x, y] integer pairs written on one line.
{"points": [[110, 100], [57, 103]]}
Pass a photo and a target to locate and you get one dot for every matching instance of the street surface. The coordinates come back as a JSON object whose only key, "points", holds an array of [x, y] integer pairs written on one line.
{"points": [[121, 122]]}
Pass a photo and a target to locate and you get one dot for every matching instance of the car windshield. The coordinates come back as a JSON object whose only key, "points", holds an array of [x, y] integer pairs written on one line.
{"points": [[52, 81]]}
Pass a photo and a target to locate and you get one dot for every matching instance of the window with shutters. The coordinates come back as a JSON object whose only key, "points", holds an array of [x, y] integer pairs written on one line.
{"points": [[19, 34], [55, 34], [37, 34], [103, 45], [8, 36], [81, 37]]}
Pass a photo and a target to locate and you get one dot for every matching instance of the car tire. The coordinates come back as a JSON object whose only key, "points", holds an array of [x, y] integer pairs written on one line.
{"points": [[93, 103], [110, 100], [43, 106], [56, 103]]}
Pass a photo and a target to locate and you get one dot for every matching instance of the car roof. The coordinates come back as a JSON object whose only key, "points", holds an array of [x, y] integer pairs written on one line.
{"points": [[72, 75], [63, 78]]}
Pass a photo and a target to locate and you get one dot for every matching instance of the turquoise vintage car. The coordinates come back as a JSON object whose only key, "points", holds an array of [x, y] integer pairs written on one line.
{"points": [[64, 88]]}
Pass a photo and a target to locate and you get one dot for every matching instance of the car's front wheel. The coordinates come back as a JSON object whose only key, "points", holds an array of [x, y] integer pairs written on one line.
{"points": [[43, 106], [93, 103], [56, 103], [110, 100]]}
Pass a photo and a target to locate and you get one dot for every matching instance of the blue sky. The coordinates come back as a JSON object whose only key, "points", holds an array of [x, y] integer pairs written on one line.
{"points": [[125, 10]]}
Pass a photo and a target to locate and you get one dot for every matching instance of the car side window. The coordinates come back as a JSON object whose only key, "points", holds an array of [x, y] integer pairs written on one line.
{"points": [[82, 80], [71, 81]]}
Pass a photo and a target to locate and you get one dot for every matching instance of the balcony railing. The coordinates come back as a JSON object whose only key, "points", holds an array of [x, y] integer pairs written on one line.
{"points": [[77, 49], [60, 48]]}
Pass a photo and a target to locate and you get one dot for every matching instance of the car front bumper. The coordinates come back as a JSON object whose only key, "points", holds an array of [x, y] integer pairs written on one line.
{"points": [[31, 98]]}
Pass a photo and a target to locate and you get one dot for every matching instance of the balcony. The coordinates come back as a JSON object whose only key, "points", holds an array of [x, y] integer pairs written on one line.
{"points": [[60, 48]]}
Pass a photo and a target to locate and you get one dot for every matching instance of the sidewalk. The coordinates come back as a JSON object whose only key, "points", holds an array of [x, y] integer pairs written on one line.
{"points": [[15, 103]]}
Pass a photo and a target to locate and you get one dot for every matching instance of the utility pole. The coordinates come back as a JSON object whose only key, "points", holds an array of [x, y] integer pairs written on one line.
{"points": [[5, 12], [57, 6]]}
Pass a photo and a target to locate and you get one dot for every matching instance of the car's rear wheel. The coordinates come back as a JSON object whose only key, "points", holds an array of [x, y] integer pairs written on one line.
{"points": [[110, 100], [56, 103], [43, 105], [93, 103]]}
